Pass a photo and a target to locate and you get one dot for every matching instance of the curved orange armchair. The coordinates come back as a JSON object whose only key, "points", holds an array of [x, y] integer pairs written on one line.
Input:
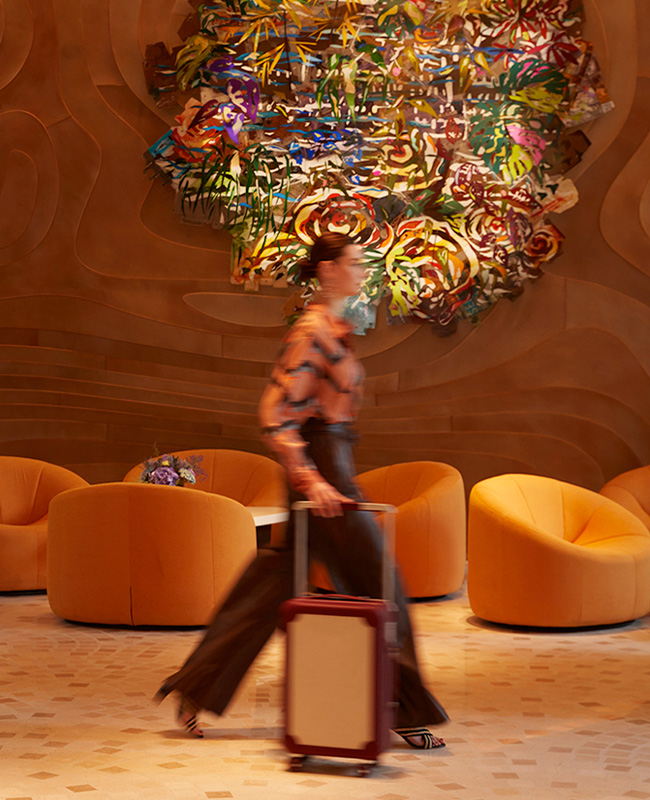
{"points": [[430, 529], [550, 554], [248, 478], [138, 554], [26, 488], [632, 491]]}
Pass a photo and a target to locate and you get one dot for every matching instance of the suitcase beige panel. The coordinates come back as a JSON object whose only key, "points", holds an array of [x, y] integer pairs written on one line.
{"points": [[332, 699]]}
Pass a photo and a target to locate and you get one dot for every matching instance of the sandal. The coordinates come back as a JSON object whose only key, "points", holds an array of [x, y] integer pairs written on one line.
{"points": [[429, 741], [186, 715], [186, 712]]}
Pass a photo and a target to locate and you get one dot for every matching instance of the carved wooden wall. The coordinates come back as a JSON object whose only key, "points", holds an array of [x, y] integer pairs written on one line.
{"points": [[119, 326]]}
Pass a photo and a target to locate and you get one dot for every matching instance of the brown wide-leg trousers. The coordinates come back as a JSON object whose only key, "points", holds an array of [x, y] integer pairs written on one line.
{"points": [[351, 548]]}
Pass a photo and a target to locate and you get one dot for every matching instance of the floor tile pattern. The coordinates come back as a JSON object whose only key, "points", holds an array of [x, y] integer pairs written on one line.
{"points": [[535, 715]]}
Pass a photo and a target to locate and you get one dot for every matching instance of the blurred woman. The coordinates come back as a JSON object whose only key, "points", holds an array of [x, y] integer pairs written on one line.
{"points": [[306, 413]]}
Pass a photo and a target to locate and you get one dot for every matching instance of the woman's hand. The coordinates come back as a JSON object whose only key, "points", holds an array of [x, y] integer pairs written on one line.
{"points": [[328, 500]]}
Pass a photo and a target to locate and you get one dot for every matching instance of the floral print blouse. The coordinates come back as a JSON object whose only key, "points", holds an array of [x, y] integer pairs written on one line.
{"points": [[316, 376]]}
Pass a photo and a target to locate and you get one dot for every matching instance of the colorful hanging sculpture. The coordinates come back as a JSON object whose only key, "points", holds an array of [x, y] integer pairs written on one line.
{"points": [[436, 133]]}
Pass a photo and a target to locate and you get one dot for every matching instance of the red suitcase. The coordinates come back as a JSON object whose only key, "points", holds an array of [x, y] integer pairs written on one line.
{"points": [[340, 653]]}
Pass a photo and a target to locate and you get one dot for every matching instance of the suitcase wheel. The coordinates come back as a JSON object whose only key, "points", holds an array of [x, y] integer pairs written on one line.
{"points": [[296, 763], [363, 770]]}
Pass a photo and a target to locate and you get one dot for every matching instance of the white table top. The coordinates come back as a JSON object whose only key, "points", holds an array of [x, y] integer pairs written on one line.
{"points": [[268, 515]]}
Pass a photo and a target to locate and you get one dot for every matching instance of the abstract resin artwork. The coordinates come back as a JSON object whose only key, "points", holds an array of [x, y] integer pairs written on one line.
{"points": [[436, 133]]}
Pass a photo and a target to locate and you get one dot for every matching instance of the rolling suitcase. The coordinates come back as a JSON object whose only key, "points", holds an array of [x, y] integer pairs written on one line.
{"points": [[340, 654]]}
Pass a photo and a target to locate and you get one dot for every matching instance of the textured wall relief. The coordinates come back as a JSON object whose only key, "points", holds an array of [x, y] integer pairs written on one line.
{"points": [[438, 134], [102, 353]]}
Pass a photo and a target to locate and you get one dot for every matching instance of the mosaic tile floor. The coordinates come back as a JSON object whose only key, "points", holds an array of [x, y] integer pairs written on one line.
{"points": [[536, 715]]}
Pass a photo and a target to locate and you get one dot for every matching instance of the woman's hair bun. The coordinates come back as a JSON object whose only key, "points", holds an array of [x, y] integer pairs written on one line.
{"points": [[307, 270], [327, 247]]}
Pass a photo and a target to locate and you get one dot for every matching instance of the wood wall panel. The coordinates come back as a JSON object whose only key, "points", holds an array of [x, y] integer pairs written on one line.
{"points": [[117, 327]]}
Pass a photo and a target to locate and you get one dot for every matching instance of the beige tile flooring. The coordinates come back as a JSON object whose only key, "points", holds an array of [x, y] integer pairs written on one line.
{"points": [[535, 715]]}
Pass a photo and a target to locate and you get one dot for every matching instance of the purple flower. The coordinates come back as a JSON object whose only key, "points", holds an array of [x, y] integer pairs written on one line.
{"points": [[165, 475]]}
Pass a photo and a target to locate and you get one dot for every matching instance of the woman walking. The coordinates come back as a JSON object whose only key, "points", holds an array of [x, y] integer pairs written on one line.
{"points": [[305, 413]]}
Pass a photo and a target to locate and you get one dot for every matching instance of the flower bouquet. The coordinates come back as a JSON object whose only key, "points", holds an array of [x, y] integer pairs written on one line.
{"points": [[170, 470]]}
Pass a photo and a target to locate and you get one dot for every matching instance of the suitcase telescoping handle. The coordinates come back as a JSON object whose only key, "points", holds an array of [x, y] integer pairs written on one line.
{"points": [[300, 545]]}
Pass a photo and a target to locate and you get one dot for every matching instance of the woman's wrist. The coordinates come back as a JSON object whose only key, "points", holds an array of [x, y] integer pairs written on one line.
{"points": [[304, 478]]}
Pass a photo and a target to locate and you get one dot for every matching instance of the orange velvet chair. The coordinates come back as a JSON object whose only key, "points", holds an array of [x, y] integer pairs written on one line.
{"points": [[430, 529], [26, 488], [248, 478], [139, 554], [550, 554], [632, 491]]}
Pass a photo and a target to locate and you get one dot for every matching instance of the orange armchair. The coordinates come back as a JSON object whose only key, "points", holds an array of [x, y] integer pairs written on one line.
{"points": [[248, 478], [139, 554], [26, 488], [632, 491], [550, 554], [430, 529]]}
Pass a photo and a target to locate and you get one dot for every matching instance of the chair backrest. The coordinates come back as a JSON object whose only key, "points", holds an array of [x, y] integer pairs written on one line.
{"points": [[249, 478], [399, 483], [631, 490], [555, 507], [27, 486]]}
